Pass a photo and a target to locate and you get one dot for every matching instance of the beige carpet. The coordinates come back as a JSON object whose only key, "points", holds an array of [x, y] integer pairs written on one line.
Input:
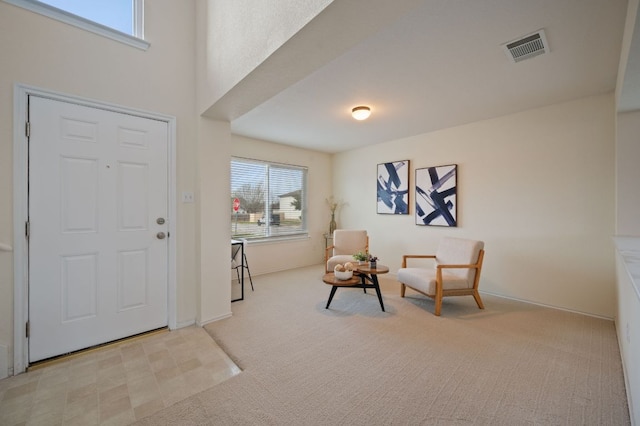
{"points": [[510, 364]]}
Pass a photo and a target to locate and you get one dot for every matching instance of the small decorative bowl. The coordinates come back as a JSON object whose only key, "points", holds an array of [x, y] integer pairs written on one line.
{"points": [[344, 275]]}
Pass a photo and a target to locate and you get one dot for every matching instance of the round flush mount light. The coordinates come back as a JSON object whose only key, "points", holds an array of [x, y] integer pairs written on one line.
{"points": [[361, 112]]}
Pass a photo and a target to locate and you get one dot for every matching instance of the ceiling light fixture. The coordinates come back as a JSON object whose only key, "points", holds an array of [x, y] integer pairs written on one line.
{"points": [[361, 112]]}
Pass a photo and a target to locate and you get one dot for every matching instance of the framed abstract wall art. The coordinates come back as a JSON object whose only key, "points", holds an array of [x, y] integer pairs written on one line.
{"points": [[436, 202], [393, 188]]}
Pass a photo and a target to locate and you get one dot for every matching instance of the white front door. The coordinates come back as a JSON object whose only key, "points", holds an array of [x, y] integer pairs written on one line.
{"points": [[98, 259]]}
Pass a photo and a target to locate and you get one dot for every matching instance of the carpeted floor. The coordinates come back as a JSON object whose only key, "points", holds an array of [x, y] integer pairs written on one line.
{"points": [[510, 364]]}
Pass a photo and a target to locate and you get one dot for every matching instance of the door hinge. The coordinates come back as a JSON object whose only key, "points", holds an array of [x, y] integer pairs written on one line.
{"points": [[27, 229], [27, 129], [28, 328]]}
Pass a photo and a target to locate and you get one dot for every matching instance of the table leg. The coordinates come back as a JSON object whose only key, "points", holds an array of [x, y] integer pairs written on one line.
{"points": [[242, 266], [333, 291], [374, 280]]}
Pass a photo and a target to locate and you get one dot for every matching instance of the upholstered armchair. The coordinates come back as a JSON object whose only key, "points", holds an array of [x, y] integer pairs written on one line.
{"points": [[346, 243], [456, 271]]}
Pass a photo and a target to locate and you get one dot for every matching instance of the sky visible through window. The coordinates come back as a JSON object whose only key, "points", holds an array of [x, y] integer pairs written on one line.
{"points": [[116, 14]]}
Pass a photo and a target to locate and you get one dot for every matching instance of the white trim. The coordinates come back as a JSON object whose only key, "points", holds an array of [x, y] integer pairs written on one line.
{"points": [[172, 210], [545, 305], [529, 302], [138, 19], [20, 215], [277, 239], [20, 209], [91, 26]]}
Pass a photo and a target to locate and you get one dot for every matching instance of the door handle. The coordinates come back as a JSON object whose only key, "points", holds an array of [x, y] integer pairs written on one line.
{"points": [[160, 235]]}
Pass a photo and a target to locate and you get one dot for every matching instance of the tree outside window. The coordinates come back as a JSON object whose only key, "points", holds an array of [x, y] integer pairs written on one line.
{"points": [[272, 199]]}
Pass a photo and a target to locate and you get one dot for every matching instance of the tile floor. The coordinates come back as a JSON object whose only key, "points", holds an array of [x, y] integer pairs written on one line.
{"points": [[116, 384]]}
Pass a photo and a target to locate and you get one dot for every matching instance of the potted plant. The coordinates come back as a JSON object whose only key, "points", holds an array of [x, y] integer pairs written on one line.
{"points": [[373, 261], [361, 257]]}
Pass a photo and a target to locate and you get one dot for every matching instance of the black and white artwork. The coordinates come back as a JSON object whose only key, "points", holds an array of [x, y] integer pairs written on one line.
{"points": [[436, 189], [393, 187]]}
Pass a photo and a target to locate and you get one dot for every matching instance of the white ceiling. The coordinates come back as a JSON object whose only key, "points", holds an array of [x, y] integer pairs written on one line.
{"points": [[442, 65]]}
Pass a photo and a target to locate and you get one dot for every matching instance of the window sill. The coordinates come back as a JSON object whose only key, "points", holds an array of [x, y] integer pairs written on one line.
{"points": [[276, 240], [76, 21]]}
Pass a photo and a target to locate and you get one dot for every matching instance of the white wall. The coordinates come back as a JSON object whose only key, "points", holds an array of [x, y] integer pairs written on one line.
{"points": [[254, 50], [213, 236], [41, 52], [537, 187], [277, 256], [243, 34], [628, 173], [628, 318]]}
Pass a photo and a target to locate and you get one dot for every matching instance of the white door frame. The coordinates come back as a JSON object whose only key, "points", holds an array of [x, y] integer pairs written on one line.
{"points": [[20, 209]]}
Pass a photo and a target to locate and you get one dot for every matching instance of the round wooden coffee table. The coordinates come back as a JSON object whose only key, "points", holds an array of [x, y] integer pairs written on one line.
{"points": [[358, 280], [331, 279]]}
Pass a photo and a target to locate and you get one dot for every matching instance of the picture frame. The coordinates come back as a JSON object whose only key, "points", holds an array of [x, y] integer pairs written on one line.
{"points": [[436, 196], [392, 188]]}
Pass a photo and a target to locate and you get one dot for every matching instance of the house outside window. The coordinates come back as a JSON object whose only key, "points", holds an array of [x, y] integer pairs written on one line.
{"points": [[271, 200]]}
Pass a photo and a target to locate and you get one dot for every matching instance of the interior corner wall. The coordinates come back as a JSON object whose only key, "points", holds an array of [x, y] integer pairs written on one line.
{"points": [[44, 53], [536, 186], [628, 173], [275, 256]]}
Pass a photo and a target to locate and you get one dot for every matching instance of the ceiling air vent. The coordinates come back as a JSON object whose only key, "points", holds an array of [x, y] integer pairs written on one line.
{"points": [[527, 47]]}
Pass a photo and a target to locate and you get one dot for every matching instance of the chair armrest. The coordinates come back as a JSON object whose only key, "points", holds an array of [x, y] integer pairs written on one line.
{"points": [[416, 256], [477, 265], [470, 266]]}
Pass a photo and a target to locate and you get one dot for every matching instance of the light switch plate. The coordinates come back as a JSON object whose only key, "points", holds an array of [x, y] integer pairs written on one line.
{"points": [[187, 197]]}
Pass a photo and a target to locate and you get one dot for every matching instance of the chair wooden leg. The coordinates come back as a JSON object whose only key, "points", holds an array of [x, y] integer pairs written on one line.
{"points": [[438, 306], [403, 288], [476, 296]]}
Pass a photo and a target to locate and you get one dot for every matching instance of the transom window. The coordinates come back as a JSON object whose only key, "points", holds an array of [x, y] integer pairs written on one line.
{"points": [[120, 20], [116, 14], [270, 199]]}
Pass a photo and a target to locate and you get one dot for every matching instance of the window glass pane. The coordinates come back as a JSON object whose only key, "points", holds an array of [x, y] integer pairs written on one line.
{"points": [[116, 14], [271, 197]]}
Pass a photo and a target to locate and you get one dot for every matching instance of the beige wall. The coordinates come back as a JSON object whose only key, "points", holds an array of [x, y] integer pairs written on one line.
{"points": [[277, 256], [213, 235], [44, 53], [238, 41], [628, 173], [537, 187]]}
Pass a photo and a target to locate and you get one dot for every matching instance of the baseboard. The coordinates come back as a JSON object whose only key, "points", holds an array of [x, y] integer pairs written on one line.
{"points": [[559, 308], [210, 320], [544, 305], [4, 361]]}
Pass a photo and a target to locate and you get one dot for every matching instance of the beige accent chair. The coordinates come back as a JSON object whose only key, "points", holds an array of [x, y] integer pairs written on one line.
{"points": [[346, 243], [458, 263]]}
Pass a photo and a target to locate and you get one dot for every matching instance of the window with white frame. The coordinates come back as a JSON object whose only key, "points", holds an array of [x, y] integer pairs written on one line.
{"points": [[267, 199], [121, 20]]}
